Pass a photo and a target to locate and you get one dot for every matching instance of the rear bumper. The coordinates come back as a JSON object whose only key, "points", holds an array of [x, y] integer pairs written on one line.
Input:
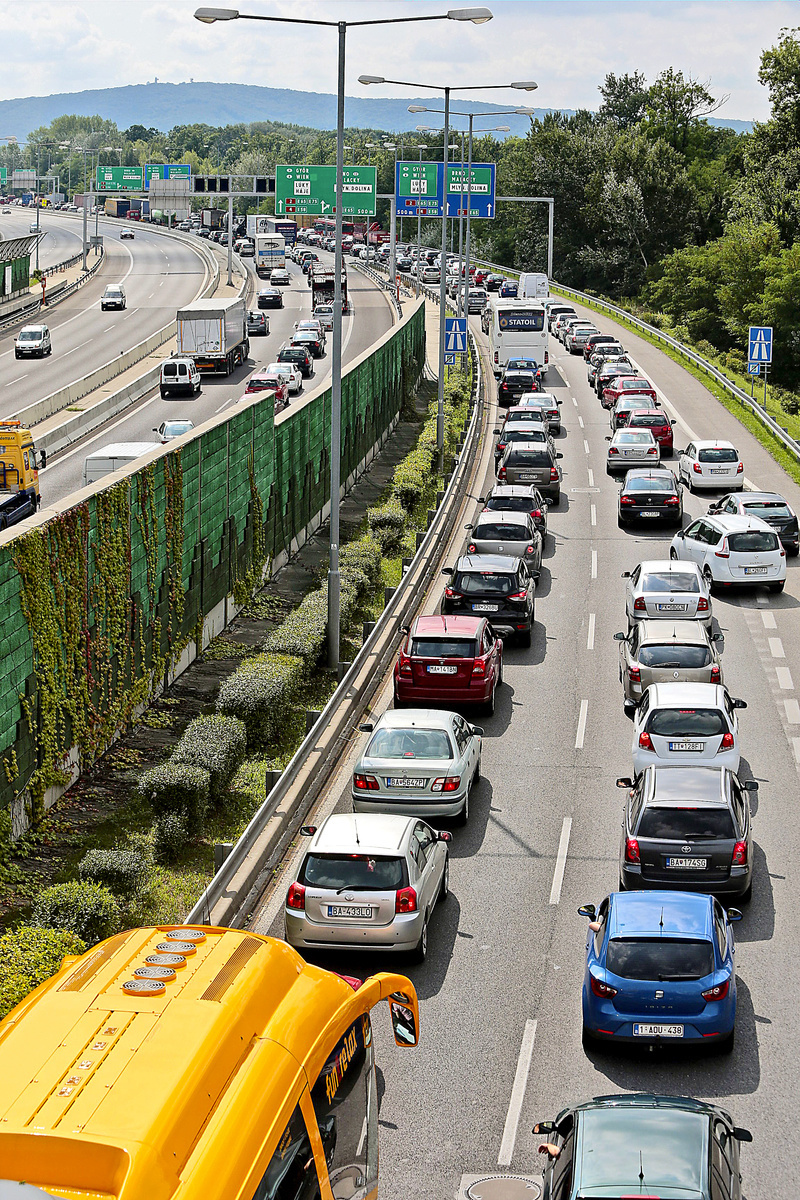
{"points": [[734, 886], [401, 935], [436, 806], [421, 696]]}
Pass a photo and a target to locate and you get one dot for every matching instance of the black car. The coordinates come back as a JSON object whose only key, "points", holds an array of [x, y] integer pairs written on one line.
{"points": [[270, 297], [300, 357], [595, 341], [520, 497], [514, 384], [257, 324], [688, 829], [496, 586], [651, 495], [493, 282], [770, 507], [609, 371]]}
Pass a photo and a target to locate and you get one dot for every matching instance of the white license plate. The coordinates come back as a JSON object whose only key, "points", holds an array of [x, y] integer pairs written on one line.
{"points": [[671, 607], [485, 607], [527, 475], [720, 471], [357, 911], [668, 1031], [755, 570], [405, 781], [441, 670], [682, 746], [649, 514], [687, 864]]}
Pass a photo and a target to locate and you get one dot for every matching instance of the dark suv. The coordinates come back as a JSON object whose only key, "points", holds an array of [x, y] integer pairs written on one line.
{"points": [[299, 357], [496, 586], [537, 465]]}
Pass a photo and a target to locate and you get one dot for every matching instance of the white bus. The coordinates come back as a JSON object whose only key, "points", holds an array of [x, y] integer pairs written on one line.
{"points": [[270, 252], [518, 329]]}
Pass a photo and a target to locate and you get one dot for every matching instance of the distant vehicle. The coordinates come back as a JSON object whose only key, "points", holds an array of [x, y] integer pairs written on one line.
{"points": [[19, 474], [214, 334], [290, 374], [113, 458], [179, 376], [768, 506], [324, 314], [280, 276], [270, 253], [33, 341], [126, 235], [518, 328], [168, 430], [257, 324], [270, 297], [113, 297], [533, 285]]}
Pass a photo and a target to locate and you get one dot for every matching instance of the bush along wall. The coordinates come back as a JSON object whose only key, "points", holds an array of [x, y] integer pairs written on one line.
{"points": [[102, 598]]}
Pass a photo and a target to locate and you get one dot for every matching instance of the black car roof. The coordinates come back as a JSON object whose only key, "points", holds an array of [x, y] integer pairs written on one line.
{"points": [[488, 562]]}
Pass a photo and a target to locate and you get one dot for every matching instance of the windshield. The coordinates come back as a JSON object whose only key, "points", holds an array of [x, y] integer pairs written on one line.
{"points": [[442, 647], [484, 583], [690, 658], [717, 454], [29, 335], [176, 428], [656, 483], [754, 541], [679, 824], [363, 871], [686, 722], [410, 743], [659, 958], [669, 581]]}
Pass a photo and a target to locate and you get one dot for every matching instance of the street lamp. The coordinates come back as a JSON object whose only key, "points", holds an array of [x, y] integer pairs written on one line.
{"points": [[208, 16], [526, 86]]}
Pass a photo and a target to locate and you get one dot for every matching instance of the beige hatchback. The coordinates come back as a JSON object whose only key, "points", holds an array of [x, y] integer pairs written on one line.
{"points": [[667, 652]]}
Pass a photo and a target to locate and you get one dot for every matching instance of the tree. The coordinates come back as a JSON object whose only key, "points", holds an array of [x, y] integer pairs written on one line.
{"points": [[780, 74], [139, 133], [624, 99], [675, 105]]}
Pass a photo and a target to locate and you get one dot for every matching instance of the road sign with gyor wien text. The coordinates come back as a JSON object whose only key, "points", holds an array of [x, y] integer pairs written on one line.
{"points": [[309, 190]]}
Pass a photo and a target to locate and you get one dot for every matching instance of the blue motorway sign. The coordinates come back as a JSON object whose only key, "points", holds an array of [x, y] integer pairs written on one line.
{"points": [[482, 202], [166, 171], [455, 335], [419, 189], [759, 344]]}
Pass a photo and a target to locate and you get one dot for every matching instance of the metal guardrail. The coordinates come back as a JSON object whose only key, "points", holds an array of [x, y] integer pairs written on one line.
{"points": [[343, 707], [36, 306]]}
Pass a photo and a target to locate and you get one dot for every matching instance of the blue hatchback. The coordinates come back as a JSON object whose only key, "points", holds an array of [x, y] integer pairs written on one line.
{"points": [[659, 968], [508, 289]]}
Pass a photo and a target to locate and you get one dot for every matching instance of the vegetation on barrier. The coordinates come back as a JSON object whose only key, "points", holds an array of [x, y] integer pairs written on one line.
{"points": [[29, 956]]}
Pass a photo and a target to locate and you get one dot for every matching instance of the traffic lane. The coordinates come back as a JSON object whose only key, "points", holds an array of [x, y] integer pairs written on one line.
{"points": [[368, 320], [58, 244]]}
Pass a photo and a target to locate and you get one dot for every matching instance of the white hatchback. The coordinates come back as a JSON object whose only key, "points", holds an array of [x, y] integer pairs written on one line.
{"points": [[685, 725], [294, 380], [712, 464], [730, 549]]}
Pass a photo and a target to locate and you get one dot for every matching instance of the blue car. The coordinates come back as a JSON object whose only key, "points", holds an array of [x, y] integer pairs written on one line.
{"points": [[659, 968], [508, 289]]}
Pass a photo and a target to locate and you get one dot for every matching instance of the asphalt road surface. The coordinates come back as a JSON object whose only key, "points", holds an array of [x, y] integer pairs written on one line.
{"points": [[500, 992], [61, 239]]}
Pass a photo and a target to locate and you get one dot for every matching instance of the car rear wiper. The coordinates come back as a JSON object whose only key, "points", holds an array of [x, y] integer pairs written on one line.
{"points": [[678, 978], [360, 887], [664, 665]]}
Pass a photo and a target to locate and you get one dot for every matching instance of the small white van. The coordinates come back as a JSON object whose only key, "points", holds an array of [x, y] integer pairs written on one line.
{"points": [[179, 377], [533, 285]]}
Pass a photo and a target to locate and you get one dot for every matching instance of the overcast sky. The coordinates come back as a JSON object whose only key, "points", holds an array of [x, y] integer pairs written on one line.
{"points": [[566, 45]]}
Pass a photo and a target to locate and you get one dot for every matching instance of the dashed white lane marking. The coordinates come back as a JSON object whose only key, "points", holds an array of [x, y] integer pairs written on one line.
{"points": [[590, 635], [585, 446], [574, 401], [796, 748], [19, 379], [594, 564], [776, 648], [561, 861], [792, 709], [593, 513], [784, 679], [769, 619], [74, 348], [762, 600], [591, 477], [517, 1095], [581, 733], [580, 422]]}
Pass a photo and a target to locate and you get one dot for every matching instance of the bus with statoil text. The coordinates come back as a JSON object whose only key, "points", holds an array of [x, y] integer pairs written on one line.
{"points": [[196, 1063], [517, 329]]}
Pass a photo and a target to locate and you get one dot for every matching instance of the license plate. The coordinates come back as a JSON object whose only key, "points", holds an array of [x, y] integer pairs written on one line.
{"points": [[755, 570], [720, 471], [527, 475], [649, 514], [405, 781], [671, 607], [668, 1031], [687, 864], [485, 607], [683, 746], [441, 670], [357, 911]]}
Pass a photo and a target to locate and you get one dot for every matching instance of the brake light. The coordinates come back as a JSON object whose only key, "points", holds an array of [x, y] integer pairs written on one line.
{"points": [[715, 675], [404, 664], [717, 993], [652, 449], [536, 513], [724, 552], [740, 468], [553, 474], [698, 470], [446, 783], [479, 666], [613, 450], [452, 594], [496, 356], [672, 500], [634, 674], [639, 604], [405, 900], [702, 604], [632, 850], [626, 500], [546, 357], [726, 743], [604, 990], [739, 856], [365, 783], [471, 548], [518, 596], [296, 897], [501, 474], [529, 549], [645, 741]]}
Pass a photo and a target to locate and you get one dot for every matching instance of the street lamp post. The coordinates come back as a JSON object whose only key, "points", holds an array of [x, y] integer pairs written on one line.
{"points": [[419, 229], [527, 86], [208, 16]]}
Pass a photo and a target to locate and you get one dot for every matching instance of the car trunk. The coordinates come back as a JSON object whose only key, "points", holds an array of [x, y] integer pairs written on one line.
{"points": [[444, 672], [673, 603], [407, 779], [360, 908]]}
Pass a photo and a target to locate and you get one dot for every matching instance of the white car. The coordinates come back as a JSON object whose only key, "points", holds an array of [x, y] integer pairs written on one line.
{"points": [[685, 725], [279, 275], [632, 448], [729, 549], [324, 314], [712, 464], [664, 590], [168, 430], [294, 379]]}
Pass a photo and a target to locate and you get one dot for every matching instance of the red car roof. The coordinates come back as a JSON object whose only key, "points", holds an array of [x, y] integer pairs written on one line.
{"points": [[467, 626]]}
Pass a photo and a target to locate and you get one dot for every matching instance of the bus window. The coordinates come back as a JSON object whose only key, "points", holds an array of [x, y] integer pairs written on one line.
{"points": [[291, 1174], [345, 1103]]}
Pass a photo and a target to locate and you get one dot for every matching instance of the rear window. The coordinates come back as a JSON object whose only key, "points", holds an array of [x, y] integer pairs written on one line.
{"points": [[771, 508], [669, 581], [442, 647], [510, 503], [363, 871], [533, 412], [660, 959], [170, 369], [483, 583], [754, 541], [633, 385], [491, 531], [686, 722], [410, 743], [526, 435], [717, 454], [677, 824], [688, 658], [527, 458], [657, 484], [648, 420], [634, 439], [519, 379]]}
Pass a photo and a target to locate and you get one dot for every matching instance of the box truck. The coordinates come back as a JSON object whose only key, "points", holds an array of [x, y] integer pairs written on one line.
{"points": [[214, 334], [270, 253]]}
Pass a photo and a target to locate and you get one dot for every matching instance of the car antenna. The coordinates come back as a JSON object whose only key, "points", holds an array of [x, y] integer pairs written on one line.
{"points": [[661, 919], [355, 827], [641, 1170]]}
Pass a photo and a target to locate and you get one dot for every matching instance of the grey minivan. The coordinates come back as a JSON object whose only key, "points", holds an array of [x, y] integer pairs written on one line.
{"points": [[537, 465]]}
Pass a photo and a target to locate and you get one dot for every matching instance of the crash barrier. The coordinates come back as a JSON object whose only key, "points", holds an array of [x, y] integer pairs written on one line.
{"points": [[229, 897], [54, 295], [111, 593]]}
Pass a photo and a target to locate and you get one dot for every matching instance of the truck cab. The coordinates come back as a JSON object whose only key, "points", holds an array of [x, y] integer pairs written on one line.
{"points": [[19, 473]]}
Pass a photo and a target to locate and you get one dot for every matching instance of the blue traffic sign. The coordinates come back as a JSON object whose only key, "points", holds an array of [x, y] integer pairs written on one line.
{"points": [[759, 344], [455, 335], [753, 368], [419, 189], [482, 202]]}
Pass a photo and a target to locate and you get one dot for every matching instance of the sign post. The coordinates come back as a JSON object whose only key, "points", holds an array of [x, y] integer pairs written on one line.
{"points": [[308, 190], [759, 352]]}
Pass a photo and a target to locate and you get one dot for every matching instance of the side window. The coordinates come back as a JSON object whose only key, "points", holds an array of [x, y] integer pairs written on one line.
{"points": [[562, 1170], [695, 531], [25, 460], [739, 807], [635, 576], [291, 1174], [346, 1107], [636, 804], [644, 707], [690, 451], [462, 735], [634, 642], [602, 916], [425, 839], [712, 535], [720, 928]]}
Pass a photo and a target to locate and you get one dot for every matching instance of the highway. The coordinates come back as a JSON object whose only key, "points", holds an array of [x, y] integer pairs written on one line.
{"points": [[500, 992], [369, 318], [61, 240]]}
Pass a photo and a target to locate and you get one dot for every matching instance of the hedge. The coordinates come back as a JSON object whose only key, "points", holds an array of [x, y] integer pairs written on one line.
{"points": [[171, 837], [388, 524], [362, 556], [304, 633], [29, 955], [216, 743], [86, 909], [124, 872], [180, 788], [259, 692]]}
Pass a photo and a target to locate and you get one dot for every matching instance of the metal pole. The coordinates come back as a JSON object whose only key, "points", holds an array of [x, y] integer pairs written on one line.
{"points": [[230, 238], [469, 207], [460, 304], [334, 581], [443, 291], [38, 209], [419, 236], [85, 218], [393, 239], [550, 208]]}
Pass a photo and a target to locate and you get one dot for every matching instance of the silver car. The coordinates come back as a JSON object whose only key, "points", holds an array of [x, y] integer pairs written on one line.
{"points": [[576, 340], [523, 497], [666, 590], [667, 652], [418, 761], [548, 403], [632, 448], [368, 882], [507, 532]]}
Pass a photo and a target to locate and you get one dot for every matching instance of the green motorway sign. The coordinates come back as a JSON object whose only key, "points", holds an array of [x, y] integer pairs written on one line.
{"points": [[120, 179], [3, 176], [310, 191]]}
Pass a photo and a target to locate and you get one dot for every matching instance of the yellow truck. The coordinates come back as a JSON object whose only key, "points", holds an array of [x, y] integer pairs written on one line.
{"points": [[20, 463]]}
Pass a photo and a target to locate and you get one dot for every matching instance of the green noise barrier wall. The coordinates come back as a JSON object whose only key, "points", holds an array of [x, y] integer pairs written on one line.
{"points": [[103, 595]]}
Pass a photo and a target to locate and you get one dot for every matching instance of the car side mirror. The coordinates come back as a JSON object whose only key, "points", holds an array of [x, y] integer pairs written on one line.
{"points": [[468, 526], [717, 637], [367, 727], [739, 703], [742, 1135], [496, 431], [405, 629], [681, 533], [625, 575], [624, 782], [559, 456], [734, 914], [750, 785], [447, 570], [673, 422], [587, 910], [481, 499], [477, 730], [620, 637], [544, 1127], [444, 836], [608, 439], [154, 430], [308, 830], [629, 708]]}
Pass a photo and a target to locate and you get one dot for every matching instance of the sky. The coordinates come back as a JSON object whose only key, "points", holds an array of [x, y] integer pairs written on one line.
{"points": [[567, 46]]}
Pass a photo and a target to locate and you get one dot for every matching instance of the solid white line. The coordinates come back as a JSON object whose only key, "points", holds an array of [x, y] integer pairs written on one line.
{"points": [[590, 638], [792, 712], [585, 446], [594, 564], [561, 861], [19, 379], [580, 419], [784, 679], [579, 736], [517, 1095], [593, 513], [769, 619], [591, 476], [776, 648]]}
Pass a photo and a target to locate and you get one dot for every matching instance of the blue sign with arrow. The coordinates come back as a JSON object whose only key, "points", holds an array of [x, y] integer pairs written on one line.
{"points": [[482, 201], [759, 344]]}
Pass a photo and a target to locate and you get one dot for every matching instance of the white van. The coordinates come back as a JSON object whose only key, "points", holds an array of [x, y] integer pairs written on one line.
{"points": [[533, 285], [179, 376], [34, 341]]}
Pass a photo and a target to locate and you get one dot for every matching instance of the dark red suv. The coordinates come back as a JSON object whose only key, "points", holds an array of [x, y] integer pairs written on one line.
{"points": [[657, 421], [448, 660]]}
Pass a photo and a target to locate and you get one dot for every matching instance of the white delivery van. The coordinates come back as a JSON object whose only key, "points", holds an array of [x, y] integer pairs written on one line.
{"points": [[533, 285], [113, 458], [179, 377]]}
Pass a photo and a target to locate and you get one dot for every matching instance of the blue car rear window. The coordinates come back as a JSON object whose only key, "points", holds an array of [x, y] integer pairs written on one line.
{"points": [[660, 959]]}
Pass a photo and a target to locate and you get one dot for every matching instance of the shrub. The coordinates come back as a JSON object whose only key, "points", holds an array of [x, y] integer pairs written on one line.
{"points": [[259, 692], [86, 909], [171, 837], [364, 555], [124, 872], [216, 743], [302, 635], [30, 954], [388, 525], [177, 787]]}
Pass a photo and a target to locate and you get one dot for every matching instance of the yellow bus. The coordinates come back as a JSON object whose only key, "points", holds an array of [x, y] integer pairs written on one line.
{"points": [[197, 1063]]}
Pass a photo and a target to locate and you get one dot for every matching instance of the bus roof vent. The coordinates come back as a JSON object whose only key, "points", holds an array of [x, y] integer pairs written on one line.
{"points": [[236, 963]]}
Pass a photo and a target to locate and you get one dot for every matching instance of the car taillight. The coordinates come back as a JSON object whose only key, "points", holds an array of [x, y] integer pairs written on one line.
{"points": [[672, 500], [626, 500], [719, 992], [296, 897], [634, 674], [446, 783], [702, 604], [723, 552], [715, 675], [604, 990], [471, 548], [404, 664], [536, 513], [365, 783], [632, 850], [496, 356], [452, 594], [546, 357], [501, 474], [726, 743], [518, 596], [645, 741], [479, 666], [652, 450], [529, 549], [500, 446], [639, 604], [698, 470], [739, 856], [553, 474], [405, 900], [740, 468], [613, 450]]}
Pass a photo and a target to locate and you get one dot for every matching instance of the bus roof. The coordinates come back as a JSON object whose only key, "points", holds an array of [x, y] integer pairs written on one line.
{"points": [[122, 1086]]}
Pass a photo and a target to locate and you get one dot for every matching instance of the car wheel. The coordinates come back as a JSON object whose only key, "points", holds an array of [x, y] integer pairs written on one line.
{"points": [[420, 951], [588, 1040], [500, 674], [525, 640], [622, 887], [489, 706], [620, 521], [673, 553], [476, 778], [397, 702], [462, 817], [444, 890], [709, 578], [16, 354], [776, 587]]}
